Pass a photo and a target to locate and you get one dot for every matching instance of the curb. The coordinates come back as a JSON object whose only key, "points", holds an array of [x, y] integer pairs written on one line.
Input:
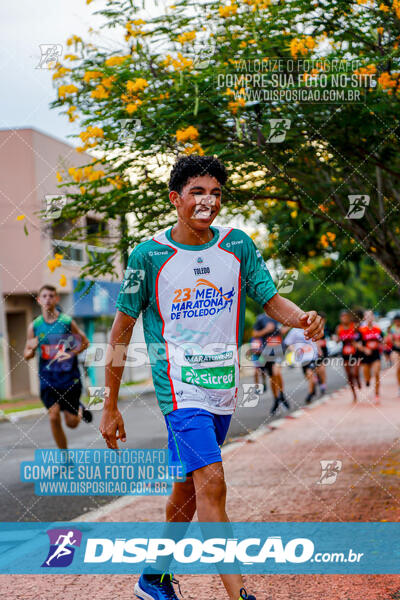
{"points": [[13, 417]]}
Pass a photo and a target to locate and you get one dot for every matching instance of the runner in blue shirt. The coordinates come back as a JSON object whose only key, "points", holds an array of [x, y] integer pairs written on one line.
{"points": [[59, 341]]}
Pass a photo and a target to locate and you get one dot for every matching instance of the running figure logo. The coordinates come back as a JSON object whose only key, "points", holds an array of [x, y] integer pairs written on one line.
{"points": [[132, 280], [330, 470], [49, 55], [357, 207], [279, 127], [251, 394], [286, 280], [62, 546]]}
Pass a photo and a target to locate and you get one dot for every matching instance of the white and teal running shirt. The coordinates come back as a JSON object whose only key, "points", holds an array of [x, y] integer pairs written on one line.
{"points": [[193, 304]]}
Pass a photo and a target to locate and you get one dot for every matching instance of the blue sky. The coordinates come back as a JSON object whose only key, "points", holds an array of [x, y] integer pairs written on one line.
{"points": [[26, 90]]}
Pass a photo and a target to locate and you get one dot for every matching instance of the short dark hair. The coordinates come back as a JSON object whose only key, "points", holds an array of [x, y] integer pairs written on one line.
{"points": [[194, 165], [49, 287]]}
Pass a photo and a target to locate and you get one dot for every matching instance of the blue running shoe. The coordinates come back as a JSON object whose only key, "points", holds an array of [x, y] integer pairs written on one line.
{"points": [[245, 596], [156, 587]]}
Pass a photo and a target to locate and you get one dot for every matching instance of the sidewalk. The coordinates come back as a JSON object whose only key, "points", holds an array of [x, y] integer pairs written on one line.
{"points": [[274, 478], [20, 409]]}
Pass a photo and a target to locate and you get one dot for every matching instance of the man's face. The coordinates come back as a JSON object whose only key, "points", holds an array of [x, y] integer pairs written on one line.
{"points": [[199, 202], [48, 299], [345, 318]]}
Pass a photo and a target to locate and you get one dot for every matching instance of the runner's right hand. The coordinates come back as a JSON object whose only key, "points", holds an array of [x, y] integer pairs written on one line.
{"points": [[112, 427], [33, 343]]}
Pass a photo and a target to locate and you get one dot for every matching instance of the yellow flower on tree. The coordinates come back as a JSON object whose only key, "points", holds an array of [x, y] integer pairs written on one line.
{"points": [[63, 90], [228, 11], [70, 112], [302, 46], [115, 61], [75, 174], [54, 263], [387, 81], [89, 75], [234, 105], [75, 39], [186, 135], [61, 72], [328, 239], [194, 149], [188, 36], [107, 82], [20, 217], [96, 175], [92, 132], [100, 93], [132, 107], [62, 281], [136, 86]]}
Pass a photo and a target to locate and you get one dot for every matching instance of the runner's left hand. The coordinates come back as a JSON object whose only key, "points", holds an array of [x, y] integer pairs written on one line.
{"points": [[313, 325]]}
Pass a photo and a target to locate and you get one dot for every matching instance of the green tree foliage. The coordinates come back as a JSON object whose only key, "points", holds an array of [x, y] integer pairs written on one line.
{"points": [[186, 81]]}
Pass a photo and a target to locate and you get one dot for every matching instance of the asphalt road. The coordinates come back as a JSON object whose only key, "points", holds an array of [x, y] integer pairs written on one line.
{"points": [[145, 428]]}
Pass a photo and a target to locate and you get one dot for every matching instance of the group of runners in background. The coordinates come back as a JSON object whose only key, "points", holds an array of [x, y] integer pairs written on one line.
{"points": [[363, 344]]}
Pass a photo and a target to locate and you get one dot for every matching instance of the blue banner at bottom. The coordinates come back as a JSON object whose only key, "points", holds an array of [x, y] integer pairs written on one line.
{"points": [[199, 548]]}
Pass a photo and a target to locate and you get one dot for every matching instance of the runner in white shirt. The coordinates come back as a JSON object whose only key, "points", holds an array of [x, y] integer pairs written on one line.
{"points": [[190, 282], [305, 353]]}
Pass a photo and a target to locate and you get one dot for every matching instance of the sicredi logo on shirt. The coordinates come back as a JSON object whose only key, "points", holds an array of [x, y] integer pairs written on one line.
{"points": [[214, 377]]}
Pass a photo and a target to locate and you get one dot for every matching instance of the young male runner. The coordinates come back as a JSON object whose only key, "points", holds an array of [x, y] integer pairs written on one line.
{"points": [[371, 338], [347, 333], [59, 341], [393, 339], [190, 282]]}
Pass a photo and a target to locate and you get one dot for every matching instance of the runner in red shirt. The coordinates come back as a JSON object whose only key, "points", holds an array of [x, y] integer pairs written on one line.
{"points": [[371, 337], [393, 341], [346, 333], [322, 355]]}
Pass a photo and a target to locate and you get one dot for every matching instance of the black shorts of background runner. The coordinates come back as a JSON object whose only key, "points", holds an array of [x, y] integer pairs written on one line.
{"points": [[309, 365], [267, 368], [67, 398], [368, 359]]}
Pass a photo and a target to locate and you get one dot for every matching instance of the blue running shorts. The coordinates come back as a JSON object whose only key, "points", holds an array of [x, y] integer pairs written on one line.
{"points": [[195, 436]]}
